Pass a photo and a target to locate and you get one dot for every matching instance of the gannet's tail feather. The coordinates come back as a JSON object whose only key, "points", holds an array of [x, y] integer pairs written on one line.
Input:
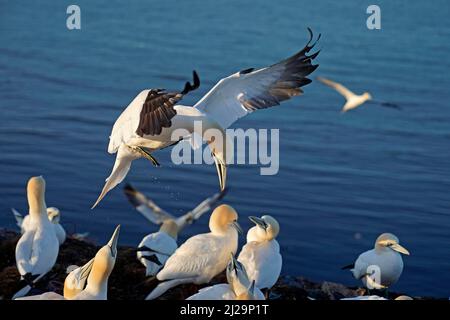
{"points": [[166, 285]]}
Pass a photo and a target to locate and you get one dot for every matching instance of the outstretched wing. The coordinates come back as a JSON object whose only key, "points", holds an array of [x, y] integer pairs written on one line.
{"points": [[337, 86], [200, 210], [149, 209], [249, 90], [150, 112]]}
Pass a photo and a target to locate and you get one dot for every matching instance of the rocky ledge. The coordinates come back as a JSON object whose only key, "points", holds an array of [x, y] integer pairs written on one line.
{"points": [[128, 281]]}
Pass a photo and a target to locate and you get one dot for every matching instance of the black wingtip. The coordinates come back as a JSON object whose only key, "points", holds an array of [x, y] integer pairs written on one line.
{"points": [[350, 266], [188, 87]]}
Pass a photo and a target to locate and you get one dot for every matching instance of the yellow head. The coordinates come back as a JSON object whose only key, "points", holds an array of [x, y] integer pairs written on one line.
{"points": [[389, 241], [53, 214], [36, 196], [267, 227], [223, 218]]}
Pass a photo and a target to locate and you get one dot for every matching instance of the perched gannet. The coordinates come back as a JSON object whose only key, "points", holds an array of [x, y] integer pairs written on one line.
{"points": [[73, 285], [261, 254], [203, 256], [37, 249], [353, 100], [156, 248], [54, 216], [238, 285], [101, 268], [153, 213], [148, 122], [385, 258]]}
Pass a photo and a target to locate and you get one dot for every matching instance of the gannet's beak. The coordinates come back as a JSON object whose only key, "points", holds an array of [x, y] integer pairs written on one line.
{"points": [[86, 269], [221, 171], [399, 248], [259, 222], [113, 242], [251, 289], [234, 262], [236, 225]]}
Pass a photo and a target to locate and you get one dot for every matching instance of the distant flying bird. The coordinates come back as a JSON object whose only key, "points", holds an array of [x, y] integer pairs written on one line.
{"points": [[386, 256], [354, 100], [202, 256], [239, 286], [261, 254], [153, 213], [37, 249], [148, 122], [54, 215]]}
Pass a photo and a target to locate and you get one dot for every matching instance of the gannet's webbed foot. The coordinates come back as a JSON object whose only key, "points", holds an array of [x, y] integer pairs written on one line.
{"points": [[147, 155]]}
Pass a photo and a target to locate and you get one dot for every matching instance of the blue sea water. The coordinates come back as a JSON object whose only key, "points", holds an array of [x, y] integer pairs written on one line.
{"points": [[343, 179]]}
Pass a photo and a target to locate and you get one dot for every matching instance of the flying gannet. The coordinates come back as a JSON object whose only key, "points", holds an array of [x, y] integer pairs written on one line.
{"points": [[54, 215], [354, 100], [202, 256], [239, 285], [148, 122], [261, 254], [37, 249], [154, 214], [385, 259]]}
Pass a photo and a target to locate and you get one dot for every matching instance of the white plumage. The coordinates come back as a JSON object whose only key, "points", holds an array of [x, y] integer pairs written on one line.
{"points": [[382, 266], [54, 215], [37, 249], [261, 254], [148, 122], [203, 256]]}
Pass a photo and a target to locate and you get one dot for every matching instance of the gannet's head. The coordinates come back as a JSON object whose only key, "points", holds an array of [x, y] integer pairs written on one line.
{"points": [[390, 241], [76, 279], [367, 95], [237, 276], [223, 218], [170, 227], [267, 228], [36, 196], [53, 214], [104, 260], [249, 294]]}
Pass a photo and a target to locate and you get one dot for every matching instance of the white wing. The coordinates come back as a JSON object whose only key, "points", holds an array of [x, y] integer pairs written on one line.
{"points": [[217, 292], [198, 254], [262, 262], [338, 87], [246, 91], [200, 209], [60, 233], [361, 264], [147, 207], [24, 251]]}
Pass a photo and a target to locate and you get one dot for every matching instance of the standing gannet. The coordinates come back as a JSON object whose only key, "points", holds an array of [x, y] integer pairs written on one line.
{"points": [[385, 257], [37, 249], [153, 213], [238, 285], [203, 256], [54, 216], [101, 268], [353, 100], [261, 254], [156, 248], [148, 122], [73, 285]]}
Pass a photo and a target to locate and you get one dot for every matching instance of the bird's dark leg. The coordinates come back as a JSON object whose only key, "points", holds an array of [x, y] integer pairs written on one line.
{"points": [[147, 155]]}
